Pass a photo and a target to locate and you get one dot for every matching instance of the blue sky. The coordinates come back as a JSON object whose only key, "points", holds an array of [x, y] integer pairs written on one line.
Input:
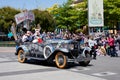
{"points": [[30, 4]]}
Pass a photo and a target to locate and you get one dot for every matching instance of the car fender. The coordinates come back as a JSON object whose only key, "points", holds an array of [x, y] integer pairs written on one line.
{"points": [[64, 50], [86, 48], [24, 48]]}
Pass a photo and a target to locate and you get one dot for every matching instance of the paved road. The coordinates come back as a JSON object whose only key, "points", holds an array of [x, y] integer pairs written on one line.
{"points": [[104, 68]]}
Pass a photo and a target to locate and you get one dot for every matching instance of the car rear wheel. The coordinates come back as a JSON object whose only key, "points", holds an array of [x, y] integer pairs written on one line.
{"points": [[21, 56], [60, 60]]}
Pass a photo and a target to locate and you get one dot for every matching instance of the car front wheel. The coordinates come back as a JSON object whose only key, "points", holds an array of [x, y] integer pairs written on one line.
{"points": [[60, 60], [21, 56]]}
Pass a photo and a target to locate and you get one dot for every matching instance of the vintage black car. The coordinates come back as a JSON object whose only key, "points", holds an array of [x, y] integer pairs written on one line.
{"points": [[54, 50]]}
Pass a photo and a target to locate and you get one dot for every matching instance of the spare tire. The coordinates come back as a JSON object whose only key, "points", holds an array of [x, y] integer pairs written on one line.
{"points": [[47, 51]]}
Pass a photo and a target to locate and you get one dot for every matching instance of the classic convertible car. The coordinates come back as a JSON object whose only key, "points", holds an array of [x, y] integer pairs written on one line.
{"points": [[55, 50]]}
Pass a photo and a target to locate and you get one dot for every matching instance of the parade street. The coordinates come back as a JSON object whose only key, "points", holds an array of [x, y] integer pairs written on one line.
{"points": [[103, 68]]}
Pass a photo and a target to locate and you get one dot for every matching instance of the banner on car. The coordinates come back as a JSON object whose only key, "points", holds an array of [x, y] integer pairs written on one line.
{"points": [[28, 15]]}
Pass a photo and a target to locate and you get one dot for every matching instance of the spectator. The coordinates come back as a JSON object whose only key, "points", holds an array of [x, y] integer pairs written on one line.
{"points": [[111, 42], [92, 44], [118, 40]]}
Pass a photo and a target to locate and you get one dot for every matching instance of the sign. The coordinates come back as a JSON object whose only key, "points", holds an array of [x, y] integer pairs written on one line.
{"points": [[95, 13], [28, 15]]}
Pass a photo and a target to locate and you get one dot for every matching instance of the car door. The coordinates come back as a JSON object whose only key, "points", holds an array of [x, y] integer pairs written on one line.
{"points": [[36, 50]]}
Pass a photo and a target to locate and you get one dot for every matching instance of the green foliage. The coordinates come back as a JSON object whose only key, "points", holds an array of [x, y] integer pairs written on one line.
{"points": [[45, 20], [6, 16], [65, 16], [70, 17], [74, 17], [111, 12], [42, 17]]}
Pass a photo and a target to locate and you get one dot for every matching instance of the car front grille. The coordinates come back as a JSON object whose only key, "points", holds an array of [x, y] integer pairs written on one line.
{"points": [[75, 52], [76, 45]]}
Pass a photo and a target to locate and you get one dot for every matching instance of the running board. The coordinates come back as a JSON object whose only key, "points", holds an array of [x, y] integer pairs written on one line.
{"points": [[35, 58]]}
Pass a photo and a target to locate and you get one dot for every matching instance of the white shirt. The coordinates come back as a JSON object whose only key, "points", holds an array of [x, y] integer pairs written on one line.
{"points": [[24, 38], [91, 43]]}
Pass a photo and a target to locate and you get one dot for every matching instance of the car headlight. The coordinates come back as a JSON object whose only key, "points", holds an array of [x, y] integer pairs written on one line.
{"points": [[71, 46], [64, 45]]}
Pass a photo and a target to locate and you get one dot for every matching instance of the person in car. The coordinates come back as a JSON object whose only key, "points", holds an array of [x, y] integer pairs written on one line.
{"points": [[37, 37], [27, 37]]}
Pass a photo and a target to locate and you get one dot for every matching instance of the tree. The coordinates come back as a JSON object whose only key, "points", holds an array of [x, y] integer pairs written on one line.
{"points": [[63, 16], [70, 17], [45, 20], [43, 17], [111, 12], [6, 16]]}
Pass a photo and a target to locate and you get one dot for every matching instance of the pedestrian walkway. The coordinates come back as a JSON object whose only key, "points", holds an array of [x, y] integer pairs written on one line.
{"points": [[7, 49]]}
